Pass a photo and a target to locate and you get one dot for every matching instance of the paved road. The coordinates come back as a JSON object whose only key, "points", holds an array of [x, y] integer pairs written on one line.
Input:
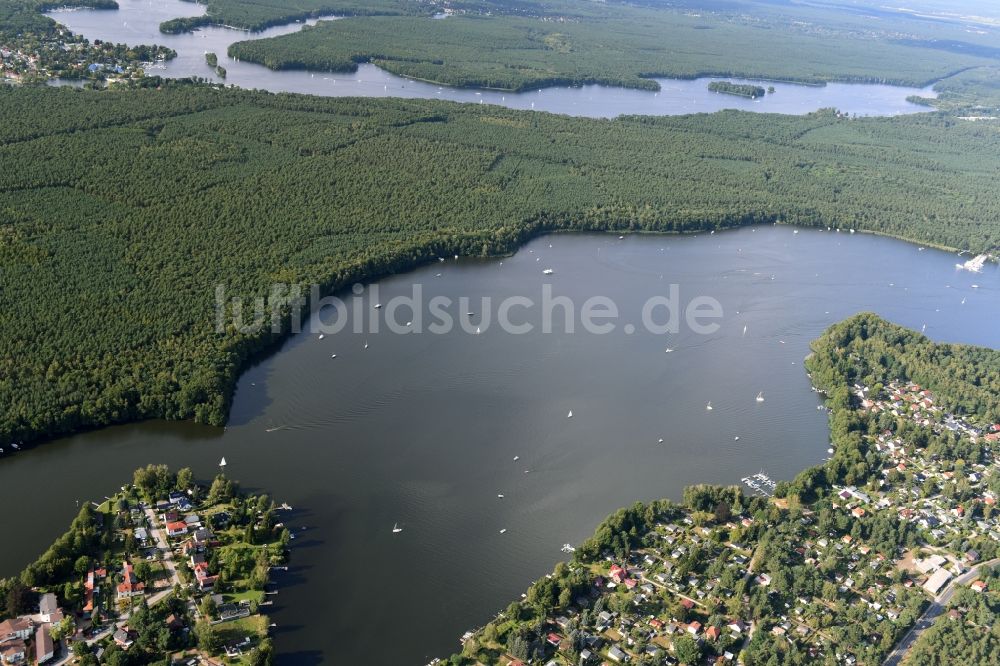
{"points": [[168, 562], [937, 607]]}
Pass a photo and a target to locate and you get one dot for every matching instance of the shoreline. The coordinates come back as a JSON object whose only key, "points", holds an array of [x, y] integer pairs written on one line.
{"points": [[267, 344]]}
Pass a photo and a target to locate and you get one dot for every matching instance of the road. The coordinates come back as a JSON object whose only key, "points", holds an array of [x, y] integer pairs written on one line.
{"points": [[937, 607], [168, 563]]}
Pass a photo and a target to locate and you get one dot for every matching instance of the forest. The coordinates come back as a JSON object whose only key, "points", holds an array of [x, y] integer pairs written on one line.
{"points": [[627, 47], [740, 90], [122, 211], [260, 14]]}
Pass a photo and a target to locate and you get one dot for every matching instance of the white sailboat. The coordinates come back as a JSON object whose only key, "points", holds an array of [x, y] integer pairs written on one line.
{"points": [[548, 271], [744, 329], [570, 415], [500, 495], [503, 531], [396, 529], [516, 458], [321, 336], [668, 350], [709, 406], [760, 397], [366, 344]]}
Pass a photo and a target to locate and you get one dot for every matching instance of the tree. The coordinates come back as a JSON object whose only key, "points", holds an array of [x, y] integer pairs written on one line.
{"points": [[208, 638], [20, 598], [185, 479], [687, 650], [62, 629]]}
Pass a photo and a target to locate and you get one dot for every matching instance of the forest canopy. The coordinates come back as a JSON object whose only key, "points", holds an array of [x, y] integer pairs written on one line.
{"points": [[121, 211]]}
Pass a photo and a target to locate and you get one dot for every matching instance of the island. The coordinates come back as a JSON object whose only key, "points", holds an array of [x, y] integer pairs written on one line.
{"points": [[738, 89], [164, 568], [899, 526]]}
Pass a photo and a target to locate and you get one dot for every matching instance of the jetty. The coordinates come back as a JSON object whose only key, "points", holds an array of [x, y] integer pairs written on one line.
{"points": [[760, 483]]}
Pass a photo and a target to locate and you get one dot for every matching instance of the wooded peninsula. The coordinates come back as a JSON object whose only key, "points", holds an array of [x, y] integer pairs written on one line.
{"points": [[225, 186]]}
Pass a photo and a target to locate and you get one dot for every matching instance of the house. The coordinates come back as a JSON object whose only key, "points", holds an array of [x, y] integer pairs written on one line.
{"points": [[937, 581], [130, 585], [13, 652], [616, 654], [123, 639], [201, 575], [979, 586], [44, 648], [694, 628], [141, 535], [618, 574], [177, 528], [713, 633], [48, 609], [15, 629], [553, 640]]}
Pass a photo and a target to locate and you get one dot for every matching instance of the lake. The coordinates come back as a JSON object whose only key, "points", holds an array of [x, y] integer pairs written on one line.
{"points": [[137, 22], [422, 429]]}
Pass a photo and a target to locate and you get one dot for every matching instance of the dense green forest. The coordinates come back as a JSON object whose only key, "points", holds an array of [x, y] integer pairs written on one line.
{"points": [[740, 90], [260, 14], [624, 48], [121, 212]]}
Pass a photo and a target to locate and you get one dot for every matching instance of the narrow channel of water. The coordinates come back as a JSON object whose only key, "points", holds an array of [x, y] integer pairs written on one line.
{"points": [[422, 429], [137, 22]]}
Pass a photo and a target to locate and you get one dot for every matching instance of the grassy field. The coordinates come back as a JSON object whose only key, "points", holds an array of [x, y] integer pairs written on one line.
{"points": [[122, 211]]}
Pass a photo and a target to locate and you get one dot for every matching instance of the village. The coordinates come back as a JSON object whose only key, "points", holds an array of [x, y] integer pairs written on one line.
{"points": [[163, 568], [56, 53], [728, 580]]}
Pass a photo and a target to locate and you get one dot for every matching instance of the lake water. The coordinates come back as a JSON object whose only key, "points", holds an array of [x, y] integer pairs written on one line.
{"points": [[137, 22], [422, 429]]}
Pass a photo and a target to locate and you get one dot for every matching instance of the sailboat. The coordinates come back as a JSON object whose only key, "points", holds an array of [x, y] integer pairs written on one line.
{"points": [[668, 350], [744, 329], [478, 330], [736, 439], [516, 458], [222, 463], [500, 495], [321, 336], [548, 271], [709, 406], [396, 529], [760, 397], [504, 530], [659, 441], [570, 415], [366, 344]]}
